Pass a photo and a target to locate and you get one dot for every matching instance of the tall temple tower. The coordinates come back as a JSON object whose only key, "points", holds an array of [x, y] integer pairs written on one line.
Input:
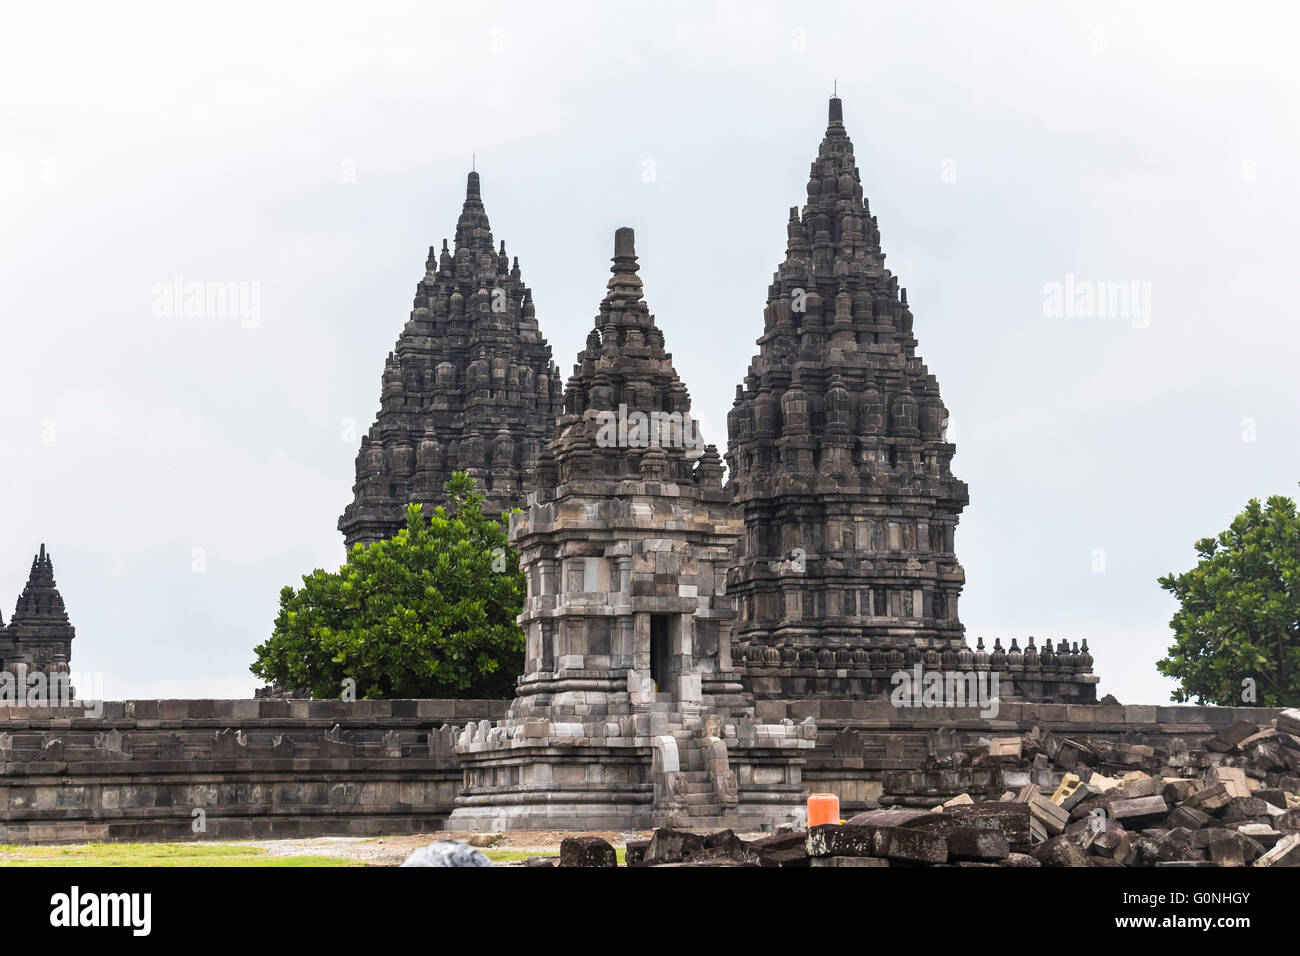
{"points": [[840, 463], [39, 635], [838, 455], [470, 386], [629, 713]]}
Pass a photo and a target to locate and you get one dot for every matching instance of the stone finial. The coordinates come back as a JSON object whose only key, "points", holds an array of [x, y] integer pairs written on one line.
{"points": [[998, 659], [1032, 660], [1015, 657], [1085, 659], [1047, 656], [624, 243], [625, 284], [709, 470]]}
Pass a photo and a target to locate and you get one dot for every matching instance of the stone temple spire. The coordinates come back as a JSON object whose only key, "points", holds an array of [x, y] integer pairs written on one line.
{"points": [[627, 663], [838, 456], [472, 229], [39, 633], [470, 386], [626, 412]]}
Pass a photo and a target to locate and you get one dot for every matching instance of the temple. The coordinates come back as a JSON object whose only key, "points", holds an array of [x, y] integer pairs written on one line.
{"points": [[470, 386], [39, 635], [698, 654], [629, 713], [839, 462]]}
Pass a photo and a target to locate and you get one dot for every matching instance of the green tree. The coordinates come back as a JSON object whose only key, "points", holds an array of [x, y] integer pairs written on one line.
{"points": [[430, 612], [1239, 617]]}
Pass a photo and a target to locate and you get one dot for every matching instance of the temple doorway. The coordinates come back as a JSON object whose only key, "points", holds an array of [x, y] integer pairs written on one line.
{"points": [[661, 651]]}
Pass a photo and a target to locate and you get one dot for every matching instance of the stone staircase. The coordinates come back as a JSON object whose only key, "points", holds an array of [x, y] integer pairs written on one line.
{"points": [[701, 795], [703, 766]]}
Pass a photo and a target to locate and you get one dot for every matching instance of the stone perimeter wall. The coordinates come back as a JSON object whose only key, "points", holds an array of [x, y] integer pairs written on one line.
{"points": [[280, 768], [256, 768]]}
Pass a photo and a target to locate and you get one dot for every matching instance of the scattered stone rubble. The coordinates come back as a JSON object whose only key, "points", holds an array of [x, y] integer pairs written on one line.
{"points": [[1234, 803]]}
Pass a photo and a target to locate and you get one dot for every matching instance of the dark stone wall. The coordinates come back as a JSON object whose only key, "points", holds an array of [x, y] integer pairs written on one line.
{"points": [[255, 768], [294, 768]]}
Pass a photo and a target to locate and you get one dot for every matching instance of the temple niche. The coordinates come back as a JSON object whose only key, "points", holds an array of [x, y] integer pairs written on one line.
{"points": [[470, 386], [630, 713], [839, 461], [39, 636]]}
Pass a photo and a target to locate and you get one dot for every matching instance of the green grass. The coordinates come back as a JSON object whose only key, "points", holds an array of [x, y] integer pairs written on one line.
{"points": [[509, 856], [156, 854]]}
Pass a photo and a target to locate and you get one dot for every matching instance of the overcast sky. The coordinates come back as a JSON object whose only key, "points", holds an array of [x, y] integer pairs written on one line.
{"points": [[183, 470]]}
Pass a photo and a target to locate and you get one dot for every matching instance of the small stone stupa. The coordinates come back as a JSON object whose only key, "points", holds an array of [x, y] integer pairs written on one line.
{"points": [[629, 713], [39, 636]]}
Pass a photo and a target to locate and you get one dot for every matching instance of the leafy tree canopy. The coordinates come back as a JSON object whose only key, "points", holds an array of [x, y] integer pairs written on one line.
{"points": [[430, 612], [1239, 619]]}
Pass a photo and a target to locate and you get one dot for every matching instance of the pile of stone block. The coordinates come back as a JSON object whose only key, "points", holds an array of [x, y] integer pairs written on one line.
{"points": [[670, 847], [1234, 801], [967, 832], [1143, 831]]}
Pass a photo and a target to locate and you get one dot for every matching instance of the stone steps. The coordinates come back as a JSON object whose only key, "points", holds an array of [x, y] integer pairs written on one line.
{"points": [[701, 804], [707, 799]]}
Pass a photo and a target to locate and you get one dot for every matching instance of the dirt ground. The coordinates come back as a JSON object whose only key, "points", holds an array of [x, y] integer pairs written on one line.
{"points": [[392, 850]]}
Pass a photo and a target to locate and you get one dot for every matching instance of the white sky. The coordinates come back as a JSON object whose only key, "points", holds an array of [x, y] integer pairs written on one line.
{"points": [[316, 151]]}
